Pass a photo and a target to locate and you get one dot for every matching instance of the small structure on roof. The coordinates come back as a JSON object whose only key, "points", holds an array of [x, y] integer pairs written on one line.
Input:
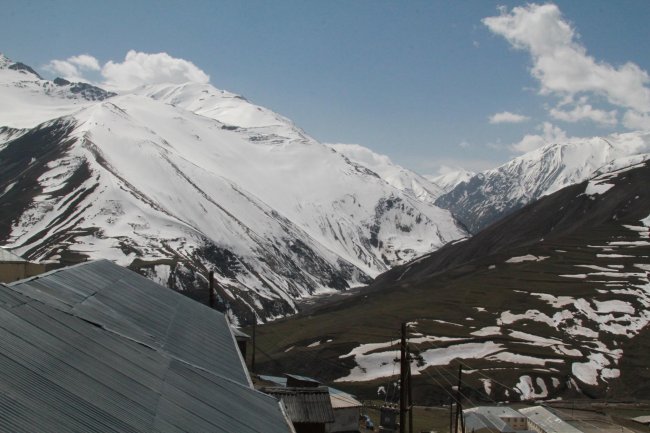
{"points": [[14, 267], [97, 347]]}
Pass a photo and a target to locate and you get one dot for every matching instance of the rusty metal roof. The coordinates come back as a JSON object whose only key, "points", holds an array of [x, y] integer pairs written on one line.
{"points": [[98, 348]]}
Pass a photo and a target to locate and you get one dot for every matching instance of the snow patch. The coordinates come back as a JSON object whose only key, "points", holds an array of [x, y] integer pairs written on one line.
{"points": [[526, 258]]}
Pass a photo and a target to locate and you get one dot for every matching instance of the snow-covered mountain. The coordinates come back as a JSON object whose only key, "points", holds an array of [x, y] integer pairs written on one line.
{"points": [[493, 194], [397, 176], [448, 181], [175, 180]]}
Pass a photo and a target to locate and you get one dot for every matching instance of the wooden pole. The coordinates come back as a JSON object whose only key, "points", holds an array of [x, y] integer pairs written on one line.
{"points": [[254, 343], [402, 382], [211, 285], [410, 391], [451, 415], [458, 405]]}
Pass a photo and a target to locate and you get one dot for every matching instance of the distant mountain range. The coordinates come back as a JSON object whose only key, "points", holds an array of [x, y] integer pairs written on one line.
{"points": [[176, 180], [486, 197]]}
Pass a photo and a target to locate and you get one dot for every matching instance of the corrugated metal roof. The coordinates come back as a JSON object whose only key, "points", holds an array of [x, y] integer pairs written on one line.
{"points": [[281, 381], [98, 348], [302, 378], [340, 401], [7, 256], [492, 417], [338, 398], [476, 421], [547, 420], [305, 405]]}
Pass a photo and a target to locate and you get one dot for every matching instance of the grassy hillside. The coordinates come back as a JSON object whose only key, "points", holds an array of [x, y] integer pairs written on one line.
{"points": [[566, 317]]}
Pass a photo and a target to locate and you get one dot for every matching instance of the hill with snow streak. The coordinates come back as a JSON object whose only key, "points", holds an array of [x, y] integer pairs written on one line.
{"points": [[488, 196], [175, 180]]}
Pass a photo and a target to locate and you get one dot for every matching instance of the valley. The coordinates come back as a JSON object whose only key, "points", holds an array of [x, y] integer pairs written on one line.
{"points": [[547, 303], [532, 277]]}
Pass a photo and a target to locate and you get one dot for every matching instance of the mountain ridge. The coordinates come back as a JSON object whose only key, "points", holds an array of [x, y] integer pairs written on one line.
{"points": [[155, 186], [490, 195]]}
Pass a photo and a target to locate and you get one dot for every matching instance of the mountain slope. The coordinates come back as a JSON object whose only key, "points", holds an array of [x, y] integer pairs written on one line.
{"points": [[399, 177], [493, 194], [551, 301], [448, 181], [155, 181]]}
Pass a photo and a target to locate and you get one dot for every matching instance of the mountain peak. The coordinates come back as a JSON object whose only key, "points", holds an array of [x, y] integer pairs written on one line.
{"points": [[4, 61], [7, 63]]}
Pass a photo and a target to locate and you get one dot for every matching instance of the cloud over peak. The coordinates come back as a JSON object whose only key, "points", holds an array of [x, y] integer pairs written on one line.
{"points": [[549, 133], [142, 68], [138, 68]]}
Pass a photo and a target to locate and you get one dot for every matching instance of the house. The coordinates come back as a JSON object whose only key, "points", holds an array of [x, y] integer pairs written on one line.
{"points": [[494, 419], [98, 348], [13, 267], [347, 411], [345, 408], [504, 419], [309, 409], [542, 420]]}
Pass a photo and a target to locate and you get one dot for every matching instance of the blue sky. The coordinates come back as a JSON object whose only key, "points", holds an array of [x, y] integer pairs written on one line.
{"points": [[418, 81]]}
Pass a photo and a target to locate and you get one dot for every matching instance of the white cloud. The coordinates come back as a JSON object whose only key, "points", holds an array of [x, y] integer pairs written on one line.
{"points": [[549, 134], [464, 144], [507, 117], [137, 69], [584, 111], [85, 61], [142, 68], [562, 65], [72, 69], [635, 120]]}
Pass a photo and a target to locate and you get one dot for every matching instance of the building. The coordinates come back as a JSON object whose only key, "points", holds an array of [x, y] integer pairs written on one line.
{"points": [[345, 408], [309, 409], [98, 348], [13, 267], [494, 419], [504, 419], [347, 411], [542, 420]]}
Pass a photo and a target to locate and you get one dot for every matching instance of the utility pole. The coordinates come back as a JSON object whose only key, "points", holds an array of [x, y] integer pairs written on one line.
{"points": [[402, 382], [451, 415], [410, 391], [254, 344], [459, 407], [211, 285]]}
